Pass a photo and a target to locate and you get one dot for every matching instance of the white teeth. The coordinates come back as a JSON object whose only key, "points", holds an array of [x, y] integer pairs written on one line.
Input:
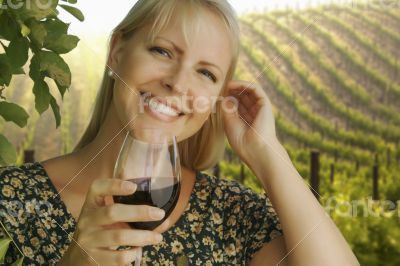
{"points": [[161, 108]]}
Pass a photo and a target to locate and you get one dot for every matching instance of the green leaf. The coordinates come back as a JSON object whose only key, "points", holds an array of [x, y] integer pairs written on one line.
{"points": [[9, 28], [55, 67], [5, 242], [5, 70], [34, 68], [18, 262], [63, 44], [38, 33], [42, 96], [56, 110], [8, 154], [24, 29], [55, 28], [57, 38], [74, 11], [46, 63], [61, 89], [17, 52], [14, 113], [18, 71]]}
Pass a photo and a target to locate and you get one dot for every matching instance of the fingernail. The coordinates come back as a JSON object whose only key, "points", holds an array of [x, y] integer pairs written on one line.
{"points": [[157, 213], [129, 186]]}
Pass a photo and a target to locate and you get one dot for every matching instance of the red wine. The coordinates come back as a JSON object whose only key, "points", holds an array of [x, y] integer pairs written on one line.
{"points": [[161, 192]]}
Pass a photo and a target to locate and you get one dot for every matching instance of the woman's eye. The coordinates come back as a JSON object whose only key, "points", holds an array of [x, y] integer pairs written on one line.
{"points": [[159, 50], [209, 75]]}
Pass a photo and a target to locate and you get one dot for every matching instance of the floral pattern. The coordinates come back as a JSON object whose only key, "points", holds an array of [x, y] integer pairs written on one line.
{"points": [[224, 222]]}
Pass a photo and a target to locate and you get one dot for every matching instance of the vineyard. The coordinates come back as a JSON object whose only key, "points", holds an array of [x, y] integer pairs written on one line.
{"points": [[333, 76]]}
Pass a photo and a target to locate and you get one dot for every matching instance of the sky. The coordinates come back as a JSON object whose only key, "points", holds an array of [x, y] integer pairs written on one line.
{"points": [[103, 16]]}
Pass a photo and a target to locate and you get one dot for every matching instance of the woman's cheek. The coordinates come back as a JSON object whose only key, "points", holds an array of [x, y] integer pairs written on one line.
{"points": [[140, 66], [204, 103], [201, 105], [201, 112], [126, 103]]}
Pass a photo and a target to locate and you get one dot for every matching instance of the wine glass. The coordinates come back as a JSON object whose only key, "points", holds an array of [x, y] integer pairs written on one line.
{"points": [[149, 158]]}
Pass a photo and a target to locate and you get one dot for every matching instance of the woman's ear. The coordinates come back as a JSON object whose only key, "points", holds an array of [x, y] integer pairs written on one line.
{"points": [[115, 51]]}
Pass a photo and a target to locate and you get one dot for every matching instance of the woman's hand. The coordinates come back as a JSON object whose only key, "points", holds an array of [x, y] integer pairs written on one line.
{"points": [[249, 122], [102, 227]]}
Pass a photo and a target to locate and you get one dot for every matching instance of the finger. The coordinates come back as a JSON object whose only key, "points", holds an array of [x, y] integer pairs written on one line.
{"points": [[246, 98], [127, 213], [247, 87], [126, 237], [257, 100], [108, 187], [115, 257], [240, 85], [243, 109], [247, 102], [229, 107], [254, 110], [244, 114]]}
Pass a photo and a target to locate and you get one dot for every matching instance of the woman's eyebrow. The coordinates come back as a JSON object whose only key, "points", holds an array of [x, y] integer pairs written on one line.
{"points": [[180, 50]]}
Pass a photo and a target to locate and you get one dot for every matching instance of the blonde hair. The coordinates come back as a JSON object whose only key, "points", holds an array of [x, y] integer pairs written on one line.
{"points": [[205, 148]]}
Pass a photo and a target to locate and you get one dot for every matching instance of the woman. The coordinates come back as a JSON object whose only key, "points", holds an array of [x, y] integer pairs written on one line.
{"points": [[186, 50]]}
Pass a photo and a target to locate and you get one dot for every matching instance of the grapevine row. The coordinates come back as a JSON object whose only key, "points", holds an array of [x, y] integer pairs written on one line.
{"points": [[357, 91], [352, 57], [313, 82]]}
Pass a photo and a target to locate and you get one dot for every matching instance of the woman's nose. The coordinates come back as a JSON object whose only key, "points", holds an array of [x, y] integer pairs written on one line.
{"points": [[177, 80]]}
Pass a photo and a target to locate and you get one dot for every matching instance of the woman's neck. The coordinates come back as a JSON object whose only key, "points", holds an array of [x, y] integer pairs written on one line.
{"points": [[98, 157]]}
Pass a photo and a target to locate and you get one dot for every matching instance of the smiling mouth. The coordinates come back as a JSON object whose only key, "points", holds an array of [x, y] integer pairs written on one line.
{"points": [[156, 104]]}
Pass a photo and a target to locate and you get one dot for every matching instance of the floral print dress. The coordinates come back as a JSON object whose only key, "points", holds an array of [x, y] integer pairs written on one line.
{"points": [[224, 222]]}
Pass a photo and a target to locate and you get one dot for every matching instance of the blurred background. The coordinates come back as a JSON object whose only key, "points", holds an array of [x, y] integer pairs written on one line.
{"points": [[332, 72]]}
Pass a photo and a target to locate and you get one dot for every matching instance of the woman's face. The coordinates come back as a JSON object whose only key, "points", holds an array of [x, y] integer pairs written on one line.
{"points": [[170, 84]]}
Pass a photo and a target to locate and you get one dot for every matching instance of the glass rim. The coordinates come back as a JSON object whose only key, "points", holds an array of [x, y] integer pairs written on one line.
{"points": [[159, 136]]}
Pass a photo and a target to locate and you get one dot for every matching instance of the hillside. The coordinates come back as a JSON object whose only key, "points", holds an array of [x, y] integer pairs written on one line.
{"points": [[333, 76]]}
